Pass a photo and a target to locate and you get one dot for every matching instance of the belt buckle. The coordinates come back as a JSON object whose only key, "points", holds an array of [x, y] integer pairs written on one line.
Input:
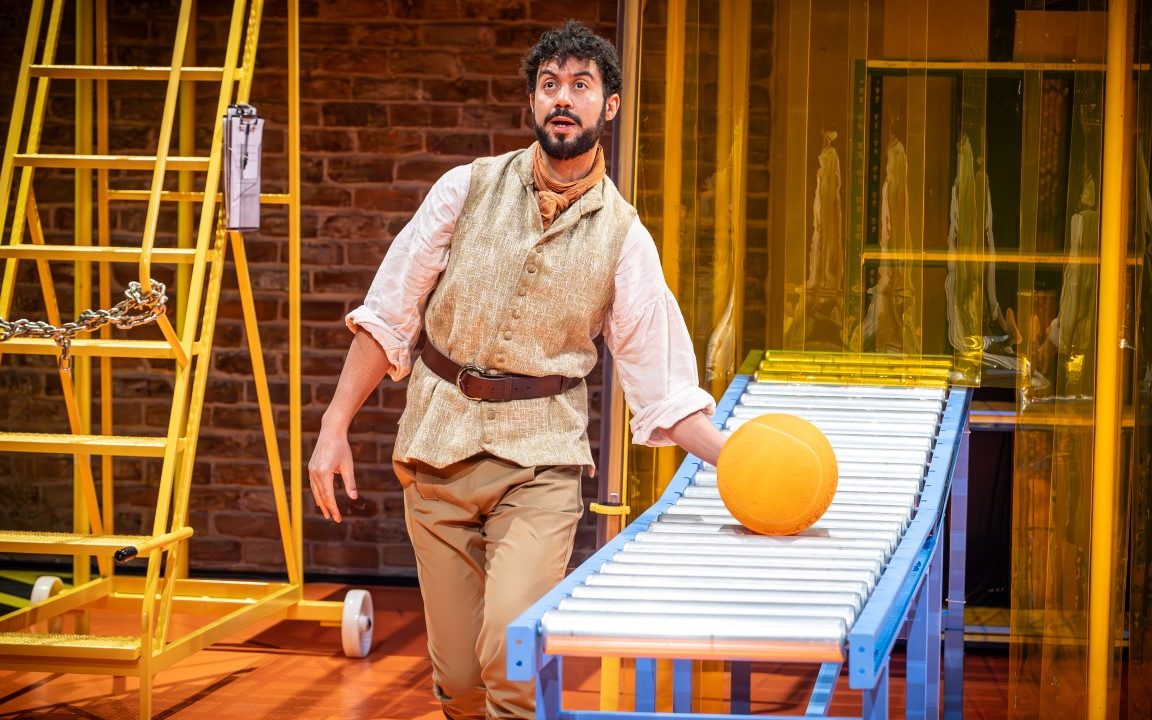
{"points": [[477, 372]]}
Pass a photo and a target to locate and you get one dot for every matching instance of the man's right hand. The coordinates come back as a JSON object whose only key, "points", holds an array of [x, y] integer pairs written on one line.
{"points": [[364, 368], [332, 456]]}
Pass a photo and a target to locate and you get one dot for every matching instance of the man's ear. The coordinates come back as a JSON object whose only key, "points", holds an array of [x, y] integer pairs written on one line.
{"points": [[611, 106]]}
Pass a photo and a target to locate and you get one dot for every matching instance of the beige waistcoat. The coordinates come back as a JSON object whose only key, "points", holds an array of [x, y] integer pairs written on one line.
{"points": [[520, 299]]}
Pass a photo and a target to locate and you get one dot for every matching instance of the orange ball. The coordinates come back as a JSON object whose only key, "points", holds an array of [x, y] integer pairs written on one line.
{"points": [[777, 474]]}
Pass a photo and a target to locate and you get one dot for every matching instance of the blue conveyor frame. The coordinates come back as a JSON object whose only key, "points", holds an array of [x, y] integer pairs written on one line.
{"points": [[909, 595]]}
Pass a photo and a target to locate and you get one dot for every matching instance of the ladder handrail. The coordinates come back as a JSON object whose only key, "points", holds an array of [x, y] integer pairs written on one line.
{"points": [[18, 107], [7, 285], [164, 142], [203, 257], [177, 420], [36, 123]]}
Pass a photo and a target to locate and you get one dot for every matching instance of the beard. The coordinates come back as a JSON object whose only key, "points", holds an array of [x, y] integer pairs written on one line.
{"points": [[577, 146]]}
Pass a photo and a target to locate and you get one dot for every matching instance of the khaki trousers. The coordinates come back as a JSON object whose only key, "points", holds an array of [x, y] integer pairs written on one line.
{"points": [[490, 538]]}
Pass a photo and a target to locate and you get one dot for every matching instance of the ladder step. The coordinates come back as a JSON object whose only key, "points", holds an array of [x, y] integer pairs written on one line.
{"points": [[93, 347], [104, 647], [96, 253], [108, 162], [191, 196], [62, 543], [124, 72], [65, 444]]}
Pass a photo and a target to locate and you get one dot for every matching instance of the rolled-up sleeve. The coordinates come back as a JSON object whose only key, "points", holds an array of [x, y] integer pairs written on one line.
{"points": [[393, 309], [649, 342]]}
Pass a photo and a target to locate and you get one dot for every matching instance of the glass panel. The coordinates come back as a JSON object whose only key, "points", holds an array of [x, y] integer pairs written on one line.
{"points": [[1140, 590], [1060, 249], [918, 180]]}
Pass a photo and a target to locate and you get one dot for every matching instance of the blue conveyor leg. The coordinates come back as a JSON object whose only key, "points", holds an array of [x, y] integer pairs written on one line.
{"points": [[645, 685], [820, 702], [549, 690], [741, 690], [922, 673], [957, 555], [933, 637], [876, 697], [682, 686]]}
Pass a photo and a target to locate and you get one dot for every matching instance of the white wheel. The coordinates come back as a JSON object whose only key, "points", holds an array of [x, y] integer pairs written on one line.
{"points": [[45, 587], [356, 624]]}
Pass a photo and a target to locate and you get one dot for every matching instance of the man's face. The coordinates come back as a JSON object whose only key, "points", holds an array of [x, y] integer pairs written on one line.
{"points": [[569, 108]]}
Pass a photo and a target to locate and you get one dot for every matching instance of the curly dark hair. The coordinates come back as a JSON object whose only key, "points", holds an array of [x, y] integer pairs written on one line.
{"points": [[574, 39]]}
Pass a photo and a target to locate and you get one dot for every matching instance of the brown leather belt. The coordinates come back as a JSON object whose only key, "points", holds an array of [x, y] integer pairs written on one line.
{"points": [[478, 384]]}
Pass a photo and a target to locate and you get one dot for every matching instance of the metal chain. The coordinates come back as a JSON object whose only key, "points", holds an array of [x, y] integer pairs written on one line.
{"points": [[138, 309]]}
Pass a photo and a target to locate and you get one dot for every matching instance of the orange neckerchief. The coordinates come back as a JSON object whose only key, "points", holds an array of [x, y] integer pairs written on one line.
{"points": [[553, 195]]}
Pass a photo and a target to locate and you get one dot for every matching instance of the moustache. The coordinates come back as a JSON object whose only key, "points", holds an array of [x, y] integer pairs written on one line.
{"points": [[561, 112]]}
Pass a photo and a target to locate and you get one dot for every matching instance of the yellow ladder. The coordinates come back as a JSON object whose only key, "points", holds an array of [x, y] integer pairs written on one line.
{"points": [[196, 264]]}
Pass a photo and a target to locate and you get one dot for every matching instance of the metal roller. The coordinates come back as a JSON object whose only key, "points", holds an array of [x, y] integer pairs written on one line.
{"points": [[740, 571], [882, 456], [868, 440], [906, 499], [659, 559], [864, 413], [687, 607], [897, 502], [712, 515], [811, 549], [851, 600], [903, 500], [758, 545], [844, 539], [706, 477], [879, 420], [719, 533], [909, 486], [853, 486], [856, 406], [819, 529], [704, 637], [862, 391], [847, 426], [798, 563], [729, 525], [857, 471], [796, 585]]}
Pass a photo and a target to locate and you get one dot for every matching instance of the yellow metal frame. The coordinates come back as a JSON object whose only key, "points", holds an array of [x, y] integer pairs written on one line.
{"points": [[202, 244], [1103, 633]]}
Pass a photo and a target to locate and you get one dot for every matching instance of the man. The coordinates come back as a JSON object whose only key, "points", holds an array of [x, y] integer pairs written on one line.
{"points": [[513, 266]]}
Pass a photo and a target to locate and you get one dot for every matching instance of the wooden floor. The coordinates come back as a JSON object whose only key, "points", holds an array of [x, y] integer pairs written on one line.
{"points": [[296, 670]]}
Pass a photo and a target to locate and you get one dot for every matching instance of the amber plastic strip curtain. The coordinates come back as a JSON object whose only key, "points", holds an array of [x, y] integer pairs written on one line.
{"points": [[1139, 466], [964, 182], [1069, 527]]}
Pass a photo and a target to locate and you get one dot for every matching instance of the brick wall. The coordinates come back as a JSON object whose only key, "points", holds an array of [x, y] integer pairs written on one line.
{"points": [[395, 93]]}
